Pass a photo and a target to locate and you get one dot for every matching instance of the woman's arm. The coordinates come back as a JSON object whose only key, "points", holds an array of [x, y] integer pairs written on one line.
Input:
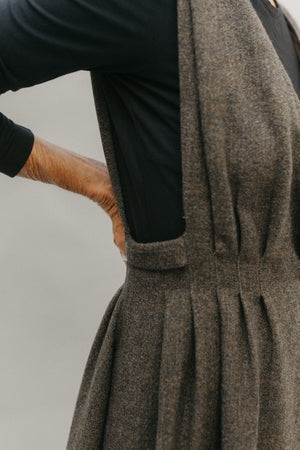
{"points": [[44, 39], [52, 164]]}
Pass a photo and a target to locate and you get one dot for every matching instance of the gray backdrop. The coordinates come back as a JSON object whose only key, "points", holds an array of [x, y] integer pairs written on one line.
{"points": [[59, 269]]}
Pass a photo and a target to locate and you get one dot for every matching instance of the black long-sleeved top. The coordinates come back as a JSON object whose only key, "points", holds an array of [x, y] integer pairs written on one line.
{"points": [[134, 44]]}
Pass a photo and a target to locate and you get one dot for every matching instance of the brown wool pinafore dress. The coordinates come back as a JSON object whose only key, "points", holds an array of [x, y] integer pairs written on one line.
{"points": [[200, 346]]}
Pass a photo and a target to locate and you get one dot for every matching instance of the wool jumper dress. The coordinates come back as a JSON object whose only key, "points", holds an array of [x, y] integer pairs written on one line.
{"points": [[199, 347]]}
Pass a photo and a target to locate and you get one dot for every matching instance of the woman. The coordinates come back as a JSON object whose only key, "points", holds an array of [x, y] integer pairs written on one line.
{"points": [[199, 347]]}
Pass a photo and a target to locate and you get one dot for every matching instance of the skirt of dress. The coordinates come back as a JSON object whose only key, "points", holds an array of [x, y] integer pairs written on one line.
{"points": [[173, 367]]}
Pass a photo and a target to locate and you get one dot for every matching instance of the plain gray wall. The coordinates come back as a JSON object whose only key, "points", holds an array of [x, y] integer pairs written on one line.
{"points": [[59, 269]]}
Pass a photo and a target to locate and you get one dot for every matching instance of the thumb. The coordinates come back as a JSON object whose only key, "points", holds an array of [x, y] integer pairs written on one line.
{"points": [[118, 233]]}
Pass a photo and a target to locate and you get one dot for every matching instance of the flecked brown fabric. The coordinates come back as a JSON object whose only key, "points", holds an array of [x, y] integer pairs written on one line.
{"points": [[199, 347]]}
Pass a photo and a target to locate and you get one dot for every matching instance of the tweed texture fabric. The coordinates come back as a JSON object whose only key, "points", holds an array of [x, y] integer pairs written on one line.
{"points": [[199, 347]]}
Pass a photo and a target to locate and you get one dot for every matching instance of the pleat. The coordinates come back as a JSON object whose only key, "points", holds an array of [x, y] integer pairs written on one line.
{"points": [[206, 426], [260, 372], [177, 373], [278, 335], [131, 416], [240, 376]]}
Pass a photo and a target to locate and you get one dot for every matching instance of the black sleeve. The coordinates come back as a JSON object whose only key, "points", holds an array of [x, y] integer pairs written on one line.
{"points": [[43, 39], [16, 143]]}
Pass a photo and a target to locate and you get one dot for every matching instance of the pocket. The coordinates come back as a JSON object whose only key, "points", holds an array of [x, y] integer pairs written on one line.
{"points": [[159, 255]]}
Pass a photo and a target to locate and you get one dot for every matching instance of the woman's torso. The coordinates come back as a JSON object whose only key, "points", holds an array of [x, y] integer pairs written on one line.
{"points": [[144, 109], [134, 46]]}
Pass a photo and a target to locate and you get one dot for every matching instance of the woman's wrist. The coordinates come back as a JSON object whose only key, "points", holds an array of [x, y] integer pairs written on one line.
{"points": [[99, 188], [56, 165], [52, 164]]}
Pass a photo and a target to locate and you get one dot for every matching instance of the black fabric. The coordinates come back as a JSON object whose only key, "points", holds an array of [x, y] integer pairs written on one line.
{"points": [[134, 45], [16, 144], [274, 22]]}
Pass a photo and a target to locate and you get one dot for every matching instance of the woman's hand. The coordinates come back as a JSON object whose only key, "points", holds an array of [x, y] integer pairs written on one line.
{"points": [[108, 203], [102, 193], [119, 235], [56, 165]]}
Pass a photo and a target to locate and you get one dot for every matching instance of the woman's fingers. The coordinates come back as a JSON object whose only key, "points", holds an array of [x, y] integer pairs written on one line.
{"points": [[119, 235], [101, 191]]}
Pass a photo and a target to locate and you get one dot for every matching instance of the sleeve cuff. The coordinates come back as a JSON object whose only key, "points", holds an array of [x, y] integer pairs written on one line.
{"points": [[16, 150]]}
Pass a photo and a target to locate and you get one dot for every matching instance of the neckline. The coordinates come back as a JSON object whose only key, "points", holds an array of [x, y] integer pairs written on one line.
{"points": [[276, 12]]}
